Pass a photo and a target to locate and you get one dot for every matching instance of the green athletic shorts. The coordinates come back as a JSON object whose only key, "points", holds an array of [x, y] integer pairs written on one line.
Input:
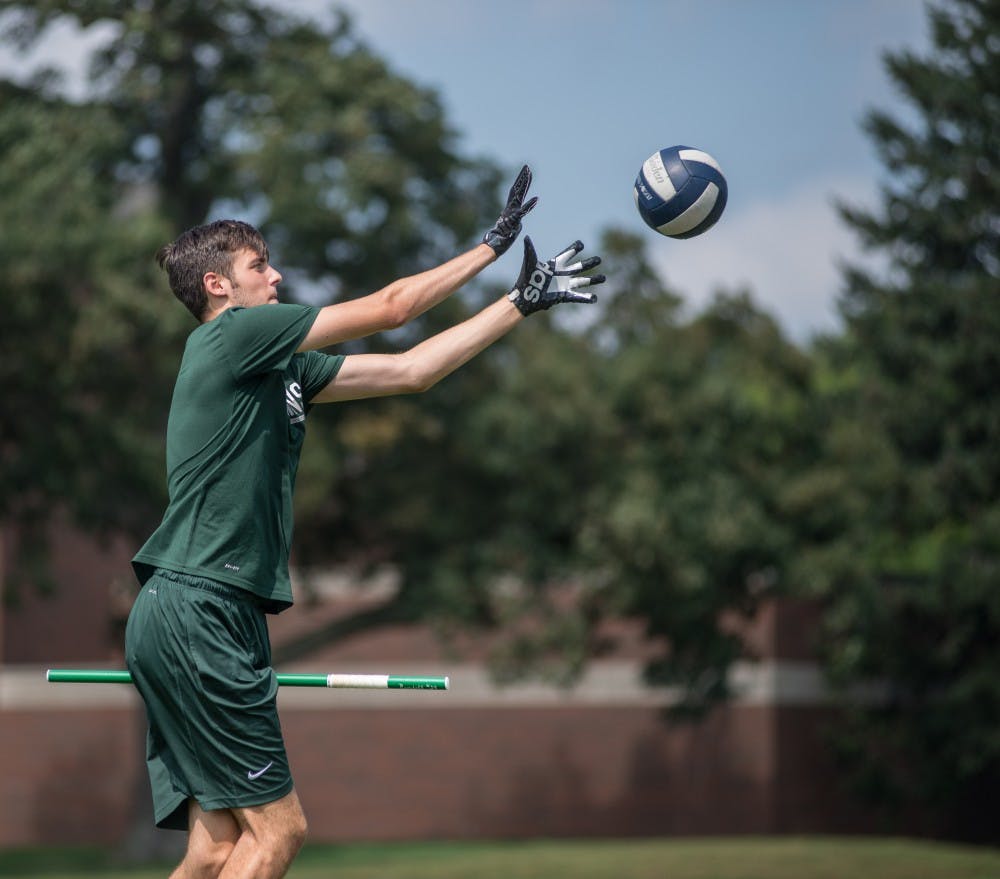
{"points": [[200, 656]]}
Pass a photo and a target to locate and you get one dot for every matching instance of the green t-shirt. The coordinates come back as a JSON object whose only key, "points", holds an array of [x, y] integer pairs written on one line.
{"points": [[235, 432]]}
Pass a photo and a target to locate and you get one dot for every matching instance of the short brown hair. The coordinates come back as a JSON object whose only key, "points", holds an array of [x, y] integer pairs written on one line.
{"points": [[207, 248]]}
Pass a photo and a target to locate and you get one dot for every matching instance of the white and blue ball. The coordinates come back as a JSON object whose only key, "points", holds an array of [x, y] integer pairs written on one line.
{"points": [[680, 192]]}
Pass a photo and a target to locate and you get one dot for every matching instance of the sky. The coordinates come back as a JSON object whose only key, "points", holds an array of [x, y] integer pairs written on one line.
{"points": [[585, 90]]}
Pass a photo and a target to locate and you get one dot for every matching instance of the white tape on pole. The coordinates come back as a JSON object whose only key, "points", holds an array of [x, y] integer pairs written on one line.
{"points": [[358, 682]]}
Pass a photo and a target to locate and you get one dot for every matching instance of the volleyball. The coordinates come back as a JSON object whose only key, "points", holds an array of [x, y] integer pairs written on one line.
{"points": [[680, 192]]}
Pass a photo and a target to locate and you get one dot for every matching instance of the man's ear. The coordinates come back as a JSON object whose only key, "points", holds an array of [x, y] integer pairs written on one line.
{"points": [[212, 282]]}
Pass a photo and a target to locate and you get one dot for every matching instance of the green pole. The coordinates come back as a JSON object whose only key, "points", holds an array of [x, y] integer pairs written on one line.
{"points": [[335, 681]]}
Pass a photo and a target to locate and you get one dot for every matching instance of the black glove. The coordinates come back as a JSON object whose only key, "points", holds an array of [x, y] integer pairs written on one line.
{"points": [[508, 225], [543, 284]]}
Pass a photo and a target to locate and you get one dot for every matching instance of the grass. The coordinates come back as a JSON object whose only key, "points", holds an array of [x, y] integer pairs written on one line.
{"points": [[725, 858]]}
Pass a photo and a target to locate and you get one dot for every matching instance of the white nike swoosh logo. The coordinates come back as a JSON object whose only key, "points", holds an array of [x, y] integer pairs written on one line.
{"points": [[259, 773]]}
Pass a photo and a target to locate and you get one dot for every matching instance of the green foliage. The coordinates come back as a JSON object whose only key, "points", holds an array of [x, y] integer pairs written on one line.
{"points": [[233, 108], [79, 424], [705, 423], [193, 111], [905, 551], [568, 476]]}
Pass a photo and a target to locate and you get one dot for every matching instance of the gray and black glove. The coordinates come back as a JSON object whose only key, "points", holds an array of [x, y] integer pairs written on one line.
{"points": [[544, 284], [508, 225]]}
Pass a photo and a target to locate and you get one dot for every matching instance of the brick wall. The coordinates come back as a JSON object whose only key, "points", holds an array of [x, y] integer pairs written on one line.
{"points": [[76, 620], [74, 775], [526, 772], [476, 762], [68, 776]]}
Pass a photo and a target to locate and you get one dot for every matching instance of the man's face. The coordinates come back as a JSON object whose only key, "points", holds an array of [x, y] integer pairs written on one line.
{"points": [[254, 282]]}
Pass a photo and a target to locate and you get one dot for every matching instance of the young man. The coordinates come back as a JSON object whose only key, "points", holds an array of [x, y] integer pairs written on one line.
{"points": [[196, 641]]}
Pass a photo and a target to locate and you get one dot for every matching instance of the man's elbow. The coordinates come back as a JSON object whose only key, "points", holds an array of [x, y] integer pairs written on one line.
{"points": [[396, 307], [418, 384], [416, 378]]}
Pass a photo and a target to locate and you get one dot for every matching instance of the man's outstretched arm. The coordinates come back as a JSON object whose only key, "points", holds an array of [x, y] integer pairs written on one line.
{"points": [[407, 298], [539, 286], [416, 370], [396, 304]]}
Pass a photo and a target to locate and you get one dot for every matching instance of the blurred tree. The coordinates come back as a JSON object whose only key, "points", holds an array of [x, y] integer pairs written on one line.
{"points": [[706, 419], [233, 107], [903, 517], [194, 110], [625, 468], [83, 408]]}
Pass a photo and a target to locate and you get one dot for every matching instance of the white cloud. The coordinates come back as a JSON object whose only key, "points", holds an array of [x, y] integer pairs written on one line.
{"points": [[785, 251], [63, 45]]}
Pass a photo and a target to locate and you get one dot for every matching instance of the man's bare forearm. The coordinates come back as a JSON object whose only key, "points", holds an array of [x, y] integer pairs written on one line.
{"points": [[397, 303], [416, 370], [413, 295], [433, 359]]}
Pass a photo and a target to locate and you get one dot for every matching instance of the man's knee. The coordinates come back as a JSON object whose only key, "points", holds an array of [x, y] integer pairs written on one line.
{"points": [[294, 833], [277, 850], [212, 836], [278, 830], [206, 858]]}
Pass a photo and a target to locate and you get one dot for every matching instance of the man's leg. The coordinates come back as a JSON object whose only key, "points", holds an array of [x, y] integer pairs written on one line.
{"points": [[258, 841], [211, 839], [270, 838]]}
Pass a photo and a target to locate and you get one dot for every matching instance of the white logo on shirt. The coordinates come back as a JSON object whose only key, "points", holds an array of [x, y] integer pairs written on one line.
{"points": [[293, 403]]}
